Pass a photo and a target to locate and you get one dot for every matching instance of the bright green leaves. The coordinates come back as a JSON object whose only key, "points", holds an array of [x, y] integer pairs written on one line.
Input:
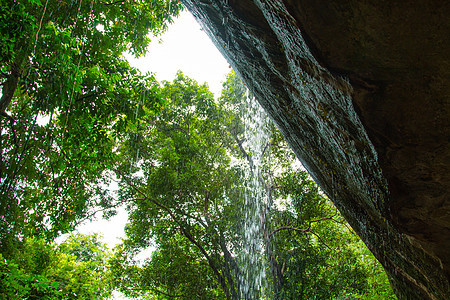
{"points": [[176, 269], [80, 115], [71, 96], [16, 284], [180, 173], [35, 2], [132, 21], [185, 196], [75, 269], [323, 257]]}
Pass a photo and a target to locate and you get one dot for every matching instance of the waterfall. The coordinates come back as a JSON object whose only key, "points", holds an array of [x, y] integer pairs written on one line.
{"points": [[253, 279]]}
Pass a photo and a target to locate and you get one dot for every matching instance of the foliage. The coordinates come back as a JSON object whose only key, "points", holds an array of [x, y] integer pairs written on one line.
{"points": [[74, 115], [179, 172], [177, 269], [76, 269], [322, 257], [67, 94], [182, 181]]}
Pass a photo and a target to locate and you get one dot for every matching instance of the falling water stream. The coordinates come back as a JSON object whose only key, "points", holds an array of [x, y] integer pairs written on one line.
{"points": [[252, 257]]}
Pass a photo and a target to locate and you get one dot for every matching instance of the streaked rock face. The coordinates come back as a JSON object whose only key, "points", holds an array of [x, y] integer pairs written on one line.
{"points": [[360, 89]]}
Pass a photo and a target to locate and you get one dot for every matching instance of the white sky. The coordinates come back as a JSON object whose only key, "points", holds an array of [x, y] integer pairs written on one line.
{"points": [[183, 47], [187, 48]]}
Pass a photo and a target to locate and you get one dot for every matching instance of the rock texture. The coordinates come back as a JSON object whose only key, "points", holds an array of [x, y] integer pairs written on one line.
{"points": [[360, 89]]}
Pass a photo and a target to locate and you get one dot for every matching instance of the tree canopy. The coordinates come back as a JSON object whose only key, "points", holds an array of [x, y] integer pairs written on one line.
{"points": [[67, 94], [75, 269], [185, 192]]}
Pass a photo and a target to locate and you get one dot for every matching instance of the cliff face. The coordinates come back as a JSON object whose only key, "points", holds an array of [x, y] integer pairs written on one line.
{"points": [[360, 90]]}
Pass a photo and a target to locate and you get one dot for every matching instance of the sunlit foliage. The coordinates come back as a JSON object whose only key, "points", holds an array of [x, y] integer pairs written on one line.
{"points": [[67, 94], [182, 180], [74, 116], [76, 269]]}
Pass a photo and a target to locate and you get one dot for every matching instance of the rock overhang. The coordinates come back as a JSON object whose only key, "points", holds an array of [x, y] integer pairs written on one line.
{"points": [[360, 90]]}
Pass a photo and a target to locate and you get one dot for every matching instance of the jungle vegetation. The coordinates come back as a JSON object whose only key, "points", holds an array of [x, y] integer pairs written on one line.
{"points": [[75, 116]]}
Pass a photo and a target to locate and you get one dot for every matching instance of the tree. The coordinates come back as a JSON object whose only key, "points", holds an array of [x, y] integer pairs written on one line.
{"points": [[179, 171], [67, 93], [177, 269], [319, 255], [74, 114], [186, 197], [76, 269]]}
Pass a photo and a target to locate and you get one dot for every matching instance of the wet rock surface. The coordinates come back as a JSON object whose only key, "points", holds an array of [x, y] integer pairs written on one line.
{"points": [[360, 89]]}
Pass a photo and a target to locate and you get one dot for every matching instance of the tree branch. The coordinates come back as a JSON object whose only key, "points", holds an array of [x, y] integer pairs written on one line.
{"points": [[307, 229], [86, 97], [320, 239], [113, 3], [9, 87], [185, 231], [244, 153], [93, 213], [150, 288], [265, 149], [5, 115]]}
